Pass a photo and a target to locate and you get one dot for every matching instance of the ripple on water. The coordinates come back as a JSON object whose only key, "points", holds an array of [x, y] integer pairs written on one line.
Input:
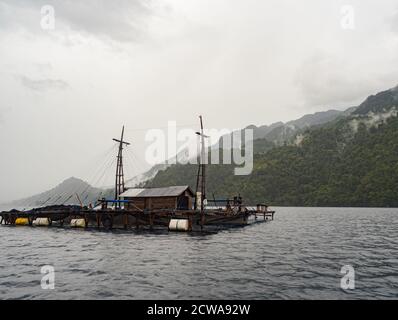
{"points": [[297, 256]]}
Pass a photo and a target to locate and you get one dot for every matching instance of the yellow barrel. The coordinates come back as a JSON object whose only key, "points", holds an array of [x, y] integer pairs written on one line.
{"points": [[22, 222]]}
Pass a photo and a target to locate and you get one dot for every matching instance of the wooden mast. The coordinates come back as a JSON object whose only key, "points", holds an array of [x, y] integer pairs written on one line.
{"points": [[119, 178], [201, 176], [203, 187]]}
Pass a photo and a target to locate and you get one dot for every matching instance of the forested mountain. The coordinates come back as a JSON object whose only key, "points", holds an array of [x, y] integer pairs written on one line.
{"points": [[64, 193], [349, 161], [327, 159]]}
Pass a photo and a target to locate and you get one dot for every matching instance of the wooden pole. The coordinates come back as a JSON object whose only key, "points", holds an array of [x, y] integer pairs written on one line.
{"points": [[203, 187], [119, 177], [197, 186], [202, 172]]}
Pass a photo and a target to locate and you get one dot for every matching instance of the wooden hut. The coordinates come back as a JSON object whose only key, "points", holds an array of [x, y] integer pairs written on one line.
{"points": [[178, 197]]}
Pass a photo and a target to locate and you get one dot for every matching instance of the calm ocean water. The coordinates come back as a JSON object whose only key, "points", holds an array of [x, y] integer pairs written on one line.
{"points": [[297, 256]]}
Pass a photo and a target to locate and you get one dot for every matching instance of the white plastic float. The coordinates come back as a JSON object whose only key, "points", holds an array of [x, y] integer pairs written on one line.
{"points": [[78, 223], [41, 222], [179, 225]]}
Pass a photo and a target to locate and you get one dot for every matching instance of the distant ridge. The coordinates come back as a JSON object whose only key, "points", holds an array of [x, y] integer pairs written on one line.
{"points": [[278, 133], [64, 193], [382, 101]]}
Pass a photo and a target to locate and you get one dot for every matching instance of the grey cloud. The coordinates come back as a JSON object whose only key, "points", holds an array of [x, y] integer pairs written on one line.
{"points": [[43, 67], [3, 111], [326, 80], [119, 20], [216, 57], [43, 84], [394, 22]]}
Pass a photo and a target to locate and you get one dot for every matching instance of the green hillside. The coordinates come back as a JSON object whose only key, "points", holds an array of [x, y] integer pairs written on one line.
{"points": [[351, 161]]}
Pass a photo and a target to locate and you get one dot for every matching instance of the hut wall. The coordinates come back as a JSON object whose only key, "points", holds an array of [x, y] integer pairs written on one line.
{"points": [[136, 203], [153, 203], [164, 203]]}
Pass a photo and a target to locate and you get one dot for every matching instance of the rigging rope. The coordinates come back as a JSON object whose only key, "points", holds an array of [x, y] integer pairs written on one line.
{"points": [[78, 190], [93, 182]]}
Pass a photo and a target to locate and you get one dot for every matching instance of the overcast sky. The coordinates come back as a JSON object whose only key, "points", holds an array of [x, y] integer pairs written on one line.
{"points": [[64, 93]]}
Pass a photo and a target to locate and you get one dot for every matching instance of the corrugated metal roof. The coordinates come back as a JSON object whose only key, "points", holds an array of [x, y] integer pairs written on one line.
{"points": [[155, 192], [131, 193]]}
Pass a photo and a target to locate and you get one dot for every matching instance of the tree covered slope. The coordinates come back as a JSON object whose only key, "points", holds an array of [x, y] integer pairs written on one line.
{"points": [[350, 161]]}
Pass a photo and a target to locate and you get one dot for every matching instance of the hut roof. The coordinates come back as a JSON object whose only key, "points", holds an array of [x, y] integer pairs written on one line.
{"points": [[156, 192]]}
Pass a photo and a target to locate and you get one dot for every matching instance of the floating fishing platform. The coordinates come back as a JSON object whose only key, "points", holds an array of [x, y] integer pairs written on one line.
{"points": [[175, 208], [158, 219]]}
